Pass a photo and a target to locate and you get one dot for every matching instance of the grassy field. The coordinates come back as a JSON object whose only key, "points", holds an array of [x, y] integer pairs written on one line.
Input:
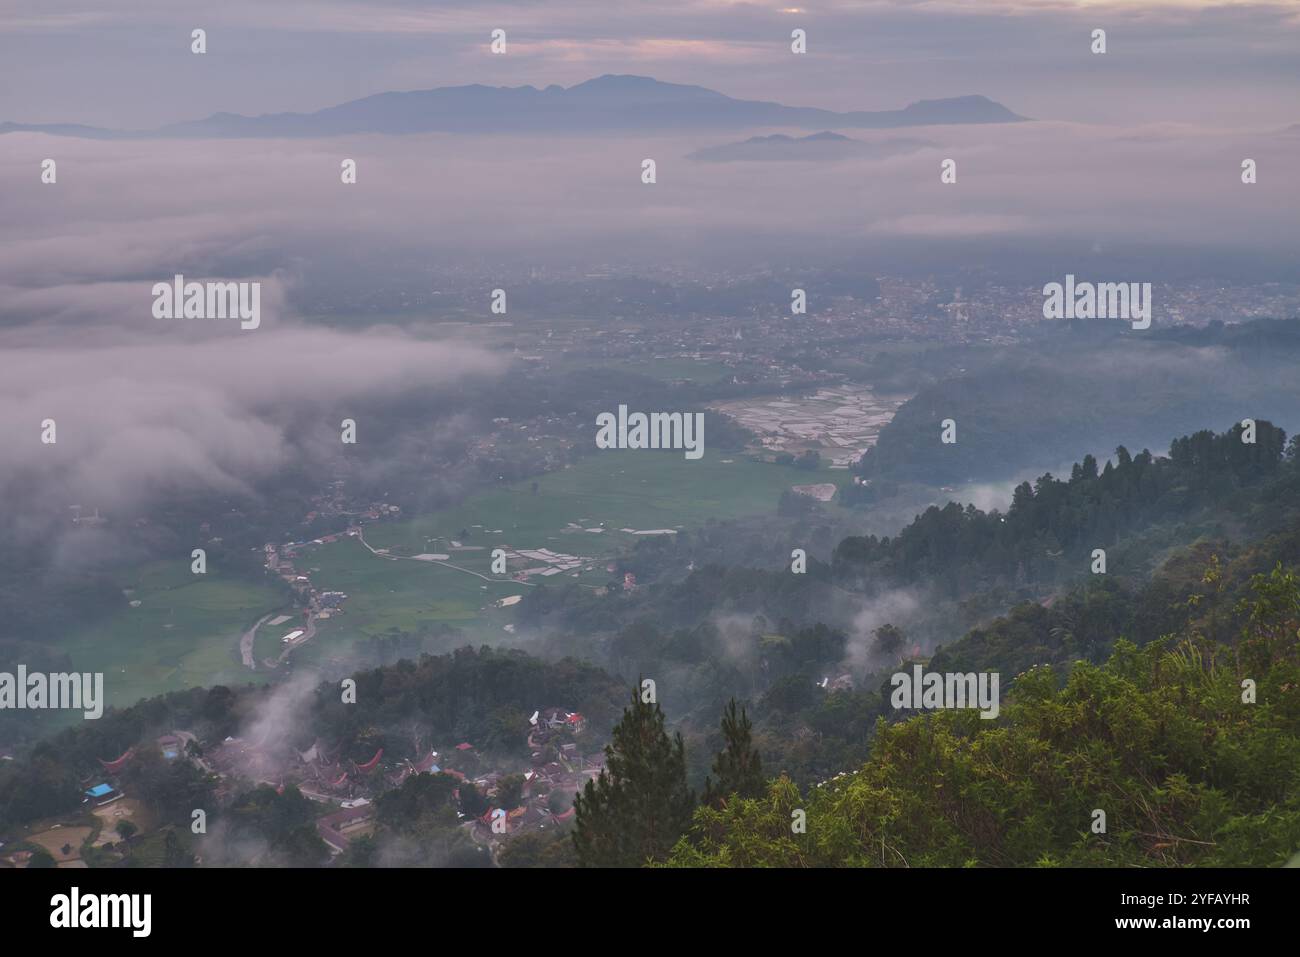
{"points": [[57, 838], [396, 593], [186, 630], [610, 490], [640, 490], [184, 633]]}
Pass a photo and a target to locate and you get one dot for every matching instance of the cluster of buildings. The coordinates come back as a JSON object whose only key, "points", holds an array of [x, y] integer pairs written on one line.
{"points": [[543, 562], [558, 769], [333, 502], [317, 603], [818, 492], [106, 786]]}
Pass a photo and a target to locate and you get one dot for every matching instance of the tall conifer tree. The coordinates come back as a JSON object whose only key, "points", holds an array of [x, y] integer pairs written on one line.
{"points": [[738, 766], [640, 805]]}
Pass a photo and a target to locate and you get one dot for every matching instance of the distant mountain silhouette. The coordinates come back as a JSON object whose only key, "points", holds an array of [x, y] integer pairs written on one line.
{"points": [[607, 103], [64, 129], [815, 148]]}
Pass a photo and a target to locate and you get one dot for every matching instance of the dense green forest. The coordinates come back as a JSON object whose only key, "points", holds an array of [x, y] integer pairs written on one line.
{"points": [[811, 733], [1183, 752], [1188, 746], [1051, 527]]}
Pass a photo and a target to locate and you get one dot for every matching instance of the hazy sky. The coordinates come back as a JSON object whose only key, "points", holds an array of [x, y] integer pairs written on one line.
{"points": [[1140, 145], [126, 63]]}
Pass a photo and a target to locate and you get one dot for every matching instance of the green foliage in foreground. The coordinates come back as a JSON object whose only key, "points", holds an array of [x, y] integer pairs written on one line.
{"points": [[640, 804], [1159, 738]]}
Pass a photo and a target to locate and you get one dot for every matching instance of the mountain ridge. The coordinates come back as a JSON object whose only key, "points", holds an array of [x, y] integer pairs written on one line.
{"points": [[816, 147], [607, 103]]}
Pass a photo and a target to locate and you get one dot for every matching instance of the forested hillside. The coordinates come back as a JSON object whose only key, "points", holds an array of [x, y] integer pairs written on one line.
{"points": [[1184, 752], [1088, 386]]}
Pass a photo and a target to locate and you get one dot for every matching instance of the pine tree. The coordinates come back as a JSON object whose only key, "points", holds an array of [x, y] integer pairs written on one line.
{"points": [[738, 766], [640, 805]]}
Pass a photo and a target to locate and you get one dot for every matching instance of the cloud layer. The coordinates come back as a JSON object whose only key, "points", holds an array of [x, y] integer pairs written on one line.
{"points": [[1236, 64]]}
